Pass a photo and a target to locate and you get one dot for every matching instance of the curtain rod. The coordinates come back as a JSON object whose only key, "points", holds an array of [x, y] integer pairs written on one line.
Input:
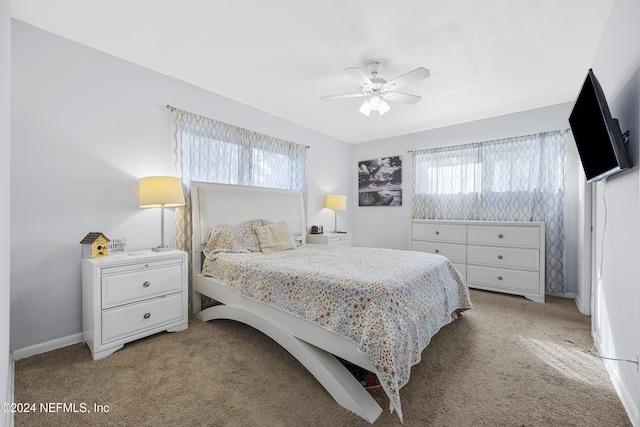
{"points": [[173, 109], [563, 131]]}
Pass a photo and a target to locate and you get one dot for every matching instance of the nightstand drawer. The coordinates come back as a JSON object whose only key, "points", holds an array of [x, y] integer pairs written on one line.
{"points": [[128, 320], [331, 239], [133, 286], [139, 264], [340, 240]]}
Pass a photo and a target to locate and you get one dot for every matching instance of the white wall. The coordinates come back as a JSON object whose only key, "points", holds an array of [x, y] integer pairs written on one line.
{"points": [[5, 136], [385, 226], [616, 317], [85, 127]]}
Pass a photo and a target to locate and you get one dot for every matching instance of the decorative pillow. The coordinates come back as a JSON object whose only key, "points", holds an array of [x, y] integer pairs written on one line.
{"points": [[275, 237], [233, 238]]}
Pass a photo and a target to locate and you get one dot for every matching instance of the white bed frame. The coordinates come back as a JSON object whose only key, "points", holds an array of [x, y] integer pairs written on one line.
{"points": [[313, 345]]}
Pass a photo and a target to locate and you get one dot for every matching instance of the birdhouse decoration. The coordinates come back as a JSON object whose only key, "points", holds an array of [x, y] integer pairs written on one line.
{"points": [[94, 245]]}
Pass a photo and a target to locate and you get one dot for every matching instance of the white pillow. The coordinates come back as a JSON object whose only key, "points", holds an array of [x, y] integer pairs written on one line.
{"points": [[233, 238], [275, 237]]}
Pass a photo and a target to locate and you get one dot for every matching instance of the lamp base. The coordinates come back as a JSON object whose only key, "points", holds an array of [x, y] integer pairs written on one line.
{"points": [[162, 249]]}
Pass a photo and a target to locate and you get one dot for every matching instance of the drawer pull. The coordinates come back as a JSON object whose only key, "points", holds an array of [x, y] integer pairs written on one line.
{"points": [[499, 277], [499, 256], [147, 315], [437, 232], [437, 251], [146, 284], [500, 236]]}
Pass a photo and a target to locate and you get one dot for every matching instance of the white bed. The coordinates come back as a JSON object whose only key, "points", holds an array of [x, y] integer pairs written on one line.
{"points": [[312, 344]]}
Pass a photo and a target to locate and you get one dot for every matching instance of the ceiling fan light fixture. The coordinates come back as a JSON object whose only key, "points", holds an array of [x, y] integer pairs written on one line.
{"points": [[365, 108], [377, 91], [375, 102], [383, 107]]}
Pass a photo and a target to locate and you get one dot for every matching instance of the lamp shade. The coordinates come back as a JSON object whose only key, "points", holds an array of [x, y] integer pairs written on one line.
{"points": [[374, 103], [365, 108], [156, 191], [337, 202]]}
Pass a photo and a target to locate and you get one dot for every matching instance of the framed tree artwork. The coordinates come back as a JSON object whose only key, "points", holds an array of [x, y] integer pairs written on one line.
{"points": [[380, 182]]}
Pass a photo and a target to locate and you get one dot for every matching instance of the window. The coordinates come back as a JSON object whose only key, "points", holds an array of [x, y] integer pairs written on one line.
{"points": [[211, 151], [515, 179]]}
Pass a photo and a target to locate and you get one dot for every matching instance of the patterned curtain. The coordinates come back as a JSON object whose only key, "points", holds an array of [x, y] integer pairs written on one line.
{"points": [[211, 151], [514, 179]]}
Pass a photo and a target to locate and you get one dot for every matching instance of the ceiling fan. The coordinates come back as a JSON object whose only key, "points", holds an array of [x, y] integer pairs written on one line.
{"points": [[377, 90]]}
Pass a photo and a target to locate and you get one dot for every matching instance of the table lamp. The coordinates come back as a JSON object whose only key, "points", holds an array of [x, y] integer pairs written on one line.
{"points": [[160, 192], [337, 202]]}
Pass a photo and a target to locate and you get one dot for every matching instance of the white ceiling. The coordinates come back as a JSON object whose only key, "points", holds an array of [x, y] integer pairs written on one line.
{"points": [[486, 57]]}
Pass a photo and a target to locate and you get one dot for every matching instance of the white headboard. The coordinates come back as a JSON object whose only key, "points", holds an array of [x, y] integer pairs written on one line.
{"points": [[217, 204]]}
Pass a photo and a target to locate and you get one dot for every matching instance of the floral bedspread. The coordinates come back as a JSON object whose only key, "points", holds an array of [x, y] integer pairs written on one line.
{"points": [[390, 302]]}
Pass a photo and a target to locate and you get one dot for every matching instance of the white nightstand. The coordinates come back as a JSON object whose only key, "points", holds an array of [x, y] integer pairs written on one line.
{"points": [[126, 297], [331, 239]]}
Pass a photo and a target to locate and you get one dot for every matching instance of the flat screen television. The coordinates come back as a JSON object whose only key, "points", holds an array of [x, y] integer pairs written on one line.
{"points": [[600, 142]]}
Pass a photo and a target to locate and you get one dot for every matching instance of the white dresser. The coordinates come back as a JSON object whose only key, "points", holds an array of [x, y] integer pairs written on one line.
{"points": [[127, 297], [331, 239], [501, 256]]}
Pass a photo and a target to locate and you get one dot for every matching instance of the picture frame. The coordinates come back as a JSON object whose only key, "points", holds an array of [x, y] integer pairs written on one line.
{"points": [[380, 182]]}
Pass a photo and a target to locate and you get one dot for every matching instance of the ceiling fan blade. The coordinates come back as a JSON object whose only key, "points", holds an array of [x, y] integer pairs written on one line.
{"points": [[346, 95], [405, 79], [405, 98], [359, 76]]}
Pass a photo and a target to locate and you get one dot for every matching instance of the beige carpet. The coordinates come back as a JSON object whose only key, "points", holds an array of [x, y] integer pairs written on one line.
{"points": [[507, 362]]}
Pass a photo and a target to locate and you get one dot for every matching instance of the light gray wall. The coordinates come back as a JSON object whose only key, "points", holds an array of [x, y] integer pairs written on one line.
{"points": [[385, 226], [5, 137], [616, 318], [85, 127]]}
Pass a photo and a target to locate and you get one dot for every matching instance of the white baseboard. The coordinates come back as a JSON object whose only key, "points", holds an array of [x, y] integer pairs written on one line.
{"points": [[569, 295], [23, 353], [630, 404]]}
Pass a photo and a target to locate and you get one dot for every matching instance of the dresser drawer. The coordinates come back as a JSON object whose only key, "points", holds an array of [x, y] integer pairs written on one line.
{"points": [[439, 232], [128, 320], [455, 253], [504, 257], [502, 278], [528, 237], [140, 284]]}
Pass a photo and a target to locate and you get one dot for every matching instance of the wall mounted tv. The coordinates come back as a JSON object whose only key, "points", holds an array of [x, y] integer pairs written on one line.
{"points": [[600, 142]]}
